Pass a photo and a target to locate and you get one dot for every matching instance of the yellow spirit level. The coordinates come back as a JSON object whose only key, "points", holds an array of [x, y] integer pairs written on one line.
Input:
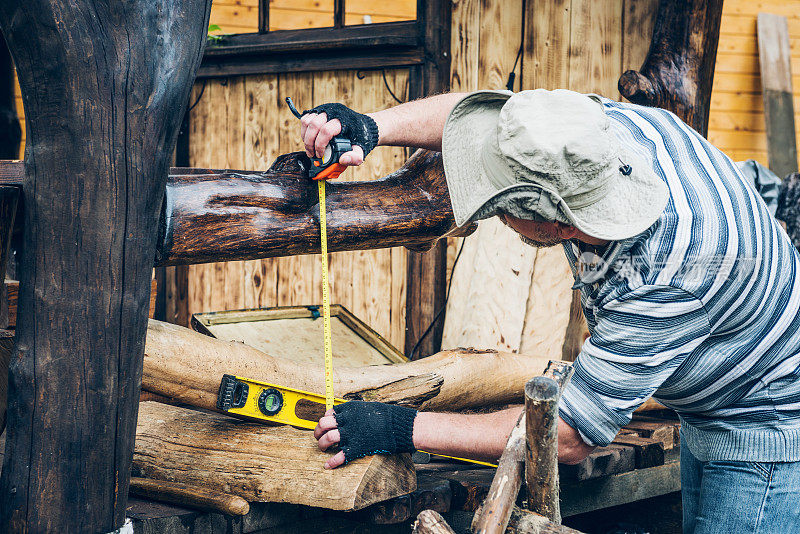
{"points": [[250, 399]]}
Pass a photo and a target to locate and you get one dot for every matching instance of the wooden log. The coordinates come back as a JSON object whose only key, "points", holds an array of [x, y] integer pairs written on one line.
{"points": [[230, 215], [678, 72], [191, 496], [259, 462], [527, 522], [432, 493], [789, 207], [775, 62], [648, 452], [187, 366], [224, 215], [431, 522], [496, 510], [541, 447], [104, 86]]}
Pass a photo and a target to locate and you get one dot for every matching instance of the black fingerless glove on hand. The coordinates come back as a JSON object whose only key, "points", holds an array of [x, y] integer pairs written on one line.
{"points": [[360, 129], [374, 428]]}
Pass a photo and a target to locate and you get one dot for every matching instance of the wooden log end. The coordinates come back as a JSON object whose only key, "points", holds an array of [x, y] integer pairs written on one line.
{"points": [[191, 496], [430, 522], [637, 88]]}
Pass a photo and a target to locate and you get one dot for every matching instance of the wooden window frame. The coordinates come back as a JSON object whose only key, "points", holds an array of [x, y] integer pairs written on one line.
{"points": [[362, 46]]}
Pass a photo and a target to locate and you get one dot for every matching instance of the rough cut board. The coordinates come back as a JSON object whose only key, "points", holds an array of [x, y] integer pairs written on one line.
{"points": [[258, 462], [776, 79], [490, 290], [293, 333]]}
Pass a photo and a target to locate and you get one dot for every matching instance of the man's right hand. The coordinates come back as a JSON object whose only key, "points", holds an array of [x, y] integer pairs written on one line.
{"points": [[322, 123]]}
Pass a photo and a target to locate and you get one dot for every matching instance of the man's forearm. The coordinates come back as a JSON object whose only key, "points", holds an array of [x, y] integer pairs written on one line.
{"points": [[419, 123], [484, 436]]}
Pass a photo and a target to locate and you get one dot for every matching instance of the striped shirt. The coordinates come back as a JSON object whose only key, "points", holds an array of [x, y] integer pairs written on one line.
{"points": [[701, 311]]}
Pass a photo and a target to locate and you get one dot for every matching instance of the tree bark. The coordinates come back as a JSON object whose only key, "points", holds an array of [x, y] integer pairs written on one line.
{"points": [[259, 462], [225, 216], [541, 450], [678, 71], [104, 85], [187, 366]]}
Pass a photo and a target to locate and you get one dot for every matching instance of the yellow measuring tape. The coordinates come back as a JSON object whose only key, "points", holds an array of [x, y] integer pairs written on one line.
{"points": [[326, 302]]}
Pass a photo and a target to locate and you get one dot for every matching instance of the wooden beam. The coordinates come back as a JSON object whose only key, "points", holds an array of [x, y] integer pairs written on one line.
{"points": [[259, 462], [103, 87], [678, 72], [214, 215], [775, 60], [789, 207], [427, 273]]}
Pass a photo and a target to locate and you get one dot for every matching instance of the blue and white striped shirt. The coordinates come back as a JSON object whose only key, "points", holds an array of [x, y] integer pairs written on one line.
{"points": [[701, 311]]}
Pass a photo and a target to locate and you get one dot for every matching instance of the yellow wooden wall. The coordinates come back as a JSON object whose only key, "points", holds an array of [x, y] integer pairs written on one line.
{"points": [[736, 122], [243, 122]]}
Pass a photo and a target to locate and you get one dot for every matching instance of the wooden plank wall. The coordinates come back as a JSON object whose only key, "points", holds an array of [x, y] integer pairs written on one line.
{"points": [[507, 295], [736, 122], [243, 122]]}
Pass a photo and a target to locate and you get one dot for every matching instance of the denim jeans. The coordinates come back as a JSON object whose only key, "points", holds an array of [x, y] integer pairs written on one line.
{"points": [[739, 497]]}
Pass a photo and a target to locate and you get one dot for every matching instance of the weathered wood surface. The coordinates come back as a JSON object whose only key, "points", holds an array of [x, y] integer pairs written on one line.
{"points": [[541, 447], [188, 366], [789, 207], [678, 72], [647, 452], [104, 88], [10, 131], [258, 462], [775, 60], [527, 522], [431, 522], [9, 197], [186, 495]]}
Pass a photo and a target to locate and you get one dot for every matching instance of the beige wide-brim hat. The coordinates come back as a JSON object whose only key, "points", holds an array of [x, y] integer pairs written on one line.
{"points": [[547, 155]]}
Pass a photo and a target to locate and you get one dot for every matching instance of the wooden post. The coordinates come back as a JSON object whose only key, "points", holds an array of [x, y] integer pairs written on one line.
{"points": [[494, 515], [789, 207], [427, 271], [104, 85], [541, 451], [678, 72]]}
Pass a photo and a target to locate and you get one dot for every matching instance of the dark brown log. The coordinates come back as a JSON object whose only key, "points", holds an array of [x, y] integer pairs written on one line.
{"points": [[104, 85], [430, 522], [789, 207], [496, 510], [224, 216], [541, 451], [186, 495], [678, 71], [216, 215], [432, 493]]}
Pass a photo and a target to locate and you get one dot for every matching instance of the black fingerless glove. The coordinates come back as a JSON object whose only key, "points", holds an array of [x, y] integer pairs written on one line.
{"points": [[360, 129], [374, 428]]}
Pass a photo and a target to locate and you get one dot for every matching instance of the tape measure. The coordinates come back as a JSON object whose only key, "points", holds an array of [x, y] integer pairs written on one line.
{"points": [[325, 168], [260, 401]]}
